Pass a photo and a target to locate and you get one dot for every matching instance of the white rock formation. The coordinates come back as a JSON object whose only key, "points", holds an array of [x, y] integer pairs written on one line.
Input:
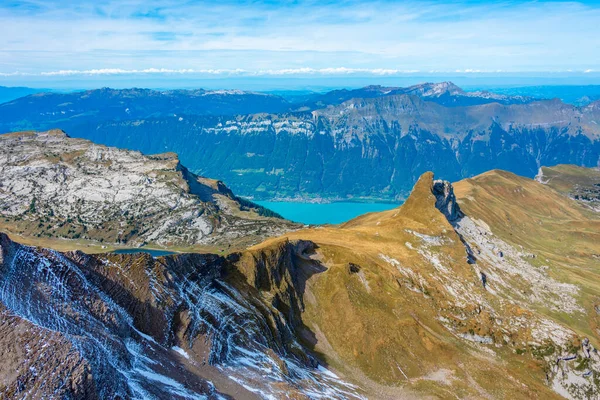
{"points": [[58, 186]]}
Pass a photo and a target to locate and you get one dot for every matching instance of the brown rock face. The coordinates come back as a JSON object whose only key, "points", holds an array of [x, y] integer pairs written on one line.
{"points": [[40, 361], [74, 325]]}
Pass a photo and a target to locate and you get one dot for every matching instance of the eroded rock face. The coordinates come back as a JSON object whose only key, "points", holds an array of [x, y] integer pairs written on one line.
{"points": [[445, 200], [55, 186], [135, 327], [41, 362], [250, 316]]}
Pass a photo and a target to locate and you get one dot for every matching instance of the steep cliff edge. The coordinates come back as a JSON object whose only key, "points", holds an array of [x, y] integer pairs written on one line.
{"points": [[448, 277]]}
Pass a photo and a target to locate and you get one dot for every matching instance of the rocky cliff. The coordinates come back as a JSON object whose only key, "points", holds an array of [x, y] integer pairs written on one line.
{"points": [[53, 186], [133, 327]]}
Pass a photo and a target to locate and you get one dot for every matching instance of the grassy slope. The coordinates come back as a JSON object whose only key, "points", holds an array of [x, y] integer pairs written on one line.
{"points": [[581, 184], [373, 328], [564, 235], [565, 177]]}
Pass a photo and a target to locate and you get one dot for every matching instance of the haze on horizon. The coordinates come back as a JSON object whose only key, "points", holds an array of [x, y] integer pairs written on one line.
{"points": [[234, 43]]}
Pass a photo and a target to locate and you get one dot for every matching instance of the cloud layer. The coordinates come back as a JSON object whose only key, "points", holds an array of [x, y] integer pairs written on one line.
{"points": [[131, 37]]}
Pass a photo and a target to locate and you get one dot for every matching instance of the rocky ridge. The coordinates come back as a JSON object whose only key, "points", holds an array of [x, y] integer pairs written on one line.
{"points": [[441, 261], [133, 327], [58, 187]]}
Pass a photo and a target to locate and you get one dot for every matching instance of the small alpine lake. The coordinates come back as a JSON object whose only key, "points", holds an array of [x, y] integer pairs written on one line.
{"points": [[152, 252], [324, 213]]}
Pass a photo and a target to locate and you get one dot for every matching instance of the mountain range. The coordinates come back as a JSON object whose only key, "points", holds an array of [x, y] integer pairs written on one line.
{"points": [[44, 110], [8, 93], [444, 93], [52, 109], [370, 143], [365, 148]]}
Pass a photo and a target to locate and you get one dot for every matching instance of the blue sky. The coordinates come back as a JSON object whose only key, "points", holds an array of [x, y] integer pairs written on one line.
{"points": [[129, 40]]}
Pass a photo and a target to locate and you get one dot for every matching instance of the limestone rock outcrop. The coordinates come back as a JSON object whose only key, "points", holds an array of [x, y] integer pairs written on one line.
{"points": [[54, 186], [446, 200]]}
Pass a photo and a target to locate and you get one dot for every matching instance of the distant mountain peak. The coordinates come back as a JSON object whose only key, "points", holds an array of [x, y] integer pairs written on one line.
{"points": [[438, 89]]}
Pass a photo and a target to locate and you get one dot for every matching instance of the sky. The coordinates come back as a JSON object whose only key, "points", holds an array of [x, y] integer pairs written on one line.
{"points": [[174, 43]]}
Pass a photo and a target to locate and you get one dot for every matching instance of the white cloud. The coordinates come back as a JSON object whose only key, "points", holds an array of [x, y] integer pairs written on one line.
{"points": [[304, 71], [334, 71], [382, 38], [120, 71], [238, 71]]}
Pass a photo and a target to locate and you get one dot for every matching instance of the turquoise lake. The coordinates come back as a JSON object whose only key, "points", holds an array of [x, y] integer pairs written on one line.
{"points": [[326, 213]]}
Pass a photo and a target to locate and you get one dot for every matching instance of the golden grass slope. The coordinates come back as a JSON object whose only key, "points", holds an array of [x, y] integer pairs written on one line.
{"points": [[401, 312], [565, 177], [562, 234], [579, 183], [379, 326]]}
